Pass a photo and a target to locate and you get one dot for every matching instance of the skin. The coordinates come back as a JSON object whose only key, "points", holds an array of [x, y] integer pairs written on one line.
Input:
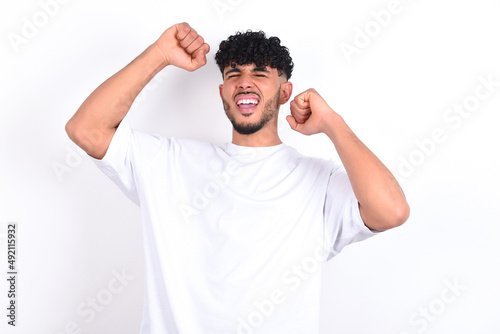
{"points": [[95, 122], [381, 201], [272, 91]]}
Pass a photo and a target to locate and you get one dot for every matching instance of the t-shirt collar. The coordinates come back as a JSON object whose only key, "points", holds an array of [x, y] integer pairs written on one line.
{"points": [[249, 151]]}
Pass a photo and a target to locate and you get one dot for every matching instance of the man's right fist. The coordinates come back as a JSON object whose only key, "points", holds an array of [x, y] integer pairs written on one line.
{"points": [[181, 46]]}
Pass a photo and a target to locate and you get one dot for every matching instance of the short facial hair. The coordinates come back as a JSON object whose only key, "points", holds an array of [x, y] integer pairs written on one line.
{"points": [[270, 111]]}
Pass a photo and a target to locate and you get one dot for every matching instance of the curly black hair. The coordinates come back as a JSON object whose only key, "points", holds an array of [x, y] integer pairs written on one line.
{"points": [[254, 47]]}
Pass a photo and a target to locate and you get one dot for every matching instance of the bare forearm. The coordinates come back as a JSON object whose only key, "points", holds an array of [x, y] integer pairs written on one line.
{"points": [[382, 202], [95, 122]]}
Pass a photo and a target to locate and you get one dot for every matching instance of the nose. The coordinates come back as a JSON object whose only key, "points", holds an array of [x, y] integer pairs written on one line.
{"points": [[245, 81]]}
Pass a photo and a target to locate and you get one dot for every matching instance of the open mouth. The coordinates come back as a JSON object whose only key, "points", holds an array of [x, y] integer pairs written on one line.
{"points": [[246, 102]]}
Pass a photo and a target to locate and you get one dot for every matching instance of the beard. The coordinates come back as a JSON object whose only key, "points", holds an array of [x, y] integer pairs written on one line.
{"points": [[270, 111]]}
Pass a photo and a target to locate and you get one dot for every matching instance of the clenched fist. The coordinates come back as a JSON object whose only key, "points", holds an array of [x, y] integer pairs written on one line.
{"points": [[181, 46], [309, 112]]}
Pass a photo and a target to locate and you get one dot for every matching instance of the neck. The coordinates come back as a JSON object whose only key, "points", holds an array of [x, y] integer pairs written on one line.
{"points": [[267, 136]]}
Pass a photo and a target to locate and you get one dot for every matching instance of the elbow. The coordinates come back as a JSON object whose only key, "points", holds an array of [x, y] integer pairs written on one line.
{"points": [[77, 135], [73, 130], [70, 130], [93, 141], [400, 215], [391, 217]]}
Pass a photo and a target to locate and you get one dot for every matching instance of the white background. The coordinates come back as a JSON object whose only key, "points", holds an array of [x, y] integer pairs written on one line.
{"points": [[76, 230]]}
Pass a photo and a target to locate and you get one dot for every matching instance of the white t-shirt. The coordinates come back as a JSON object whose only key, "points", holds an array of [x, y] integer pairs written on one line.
{"points": [[235, 237]]}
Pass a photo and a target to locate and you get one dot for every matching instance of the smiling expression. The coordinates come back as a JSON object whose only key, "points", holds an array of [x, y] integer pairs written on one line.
{"points": [[251, 96]]}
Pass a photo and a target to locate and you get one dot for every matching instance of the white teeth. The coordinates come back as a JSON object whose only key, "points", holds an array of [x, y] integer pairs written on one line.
{"points": [[247, 101]]}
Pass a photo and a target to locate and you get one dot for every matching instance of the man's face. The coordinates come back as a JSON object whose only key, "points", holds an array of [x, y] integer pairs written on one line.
{"points": [[251, 96]]}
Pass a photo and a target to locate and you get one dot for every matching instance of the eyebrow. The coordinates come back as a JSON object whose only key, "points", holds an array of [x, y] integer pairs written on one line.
{"points": [[256, 69]]}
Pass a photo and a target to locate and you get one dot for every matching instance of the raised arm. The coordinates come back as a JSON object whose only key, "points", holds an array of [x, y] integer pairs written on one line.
{"points": [[381, 201], [93, 125]]}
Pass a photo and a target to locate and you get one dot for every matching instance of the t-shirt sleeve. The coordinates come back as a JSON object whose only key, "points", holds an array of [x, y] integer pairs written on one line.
{"points": [[343, 222], [128, 155]]}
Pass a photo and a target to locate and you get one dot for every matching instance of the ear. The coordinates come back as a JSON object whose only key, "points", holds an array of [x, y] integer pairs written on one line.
{"points": [[220, 90], [286, 91]]}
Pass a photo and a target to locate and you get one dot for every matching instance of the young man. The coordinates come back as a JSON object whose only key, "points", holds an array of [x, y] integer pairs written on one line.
{"points": [[235, 236]]}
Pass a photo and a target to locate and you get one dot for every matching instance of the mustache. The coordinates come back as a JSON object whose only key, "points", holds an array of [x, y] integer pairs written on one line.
{"points": [[247, 92]]}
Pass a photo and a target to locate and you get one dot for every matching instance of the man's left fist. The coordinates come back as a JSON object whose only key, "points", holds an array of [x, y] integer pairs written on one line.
{"points": [[308, 112]]}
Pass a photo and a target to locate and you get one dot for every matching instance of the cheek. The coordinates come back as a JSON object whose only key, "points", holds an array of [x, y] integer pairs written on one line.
{"points": [[226, 92], [272, 91]]}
